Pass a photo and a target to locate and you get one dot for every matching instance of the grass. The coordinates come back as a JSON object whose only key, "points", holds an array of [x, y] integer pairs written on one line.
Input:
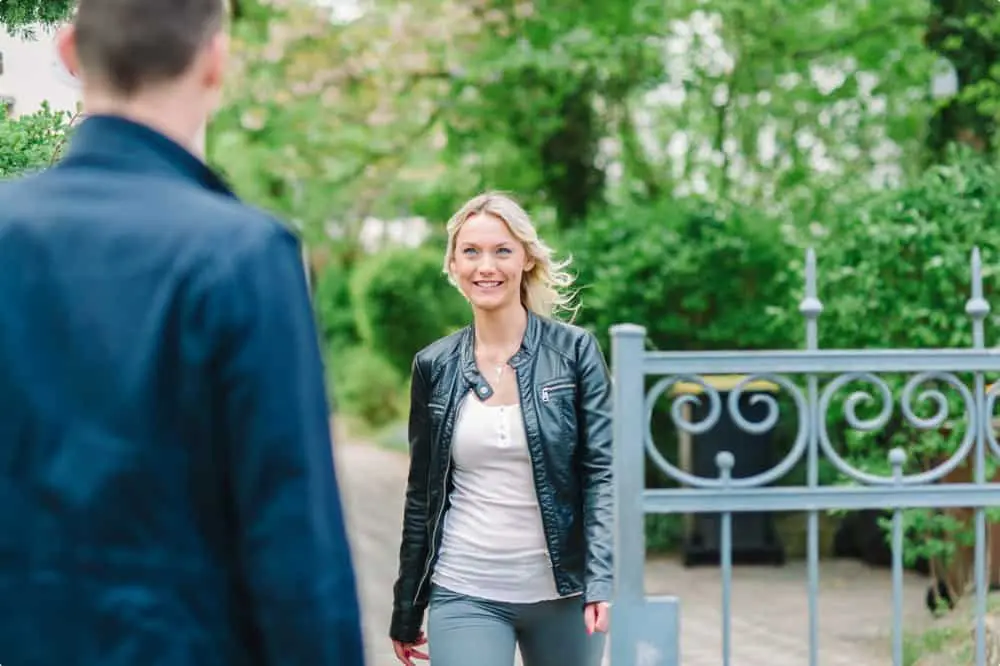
{"points": [[949, 641], [937, 641]]}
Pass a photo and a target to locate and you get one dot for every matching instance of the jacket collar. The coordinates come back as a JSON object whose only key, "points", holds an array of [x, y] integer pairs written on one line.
{"points": [[529, 344], [114, 141]]}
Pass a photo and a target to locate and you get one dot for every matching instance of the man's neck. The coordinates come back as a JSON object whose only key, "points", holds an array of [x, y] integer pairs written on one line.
{"points": [[160, 112]]}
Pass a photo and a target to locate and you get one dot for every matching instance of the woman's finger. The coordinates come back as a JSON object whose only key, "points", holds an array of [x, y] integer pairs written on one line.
{"points": [[589, 619], [402, 653], [603, 619], [419, 654]]}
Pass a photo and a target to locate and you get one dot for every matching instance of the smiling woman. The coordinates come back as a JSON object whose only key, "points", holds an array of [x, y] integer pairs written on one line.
{"points": [[507, 527], [493, 227]]}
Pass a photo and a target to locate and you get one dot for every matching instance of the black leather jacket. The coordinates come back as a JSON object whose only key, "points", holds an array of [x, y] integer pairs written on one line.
{"points": [[565, 394]]}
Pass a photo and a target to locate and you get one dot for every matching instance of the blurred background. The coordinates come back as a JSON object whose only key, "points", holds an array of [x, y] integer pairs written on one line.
{"points": [[685, 154]]}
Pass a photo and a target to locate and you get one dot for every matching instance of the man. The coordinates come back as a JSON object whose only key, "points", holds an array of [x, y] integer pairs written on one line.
{"points": [[167, 490]]}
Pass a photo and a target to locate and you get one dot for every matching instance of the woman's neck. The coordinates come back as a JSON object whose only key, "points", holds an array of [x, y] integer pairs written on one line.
{"points": [[500, 330]]}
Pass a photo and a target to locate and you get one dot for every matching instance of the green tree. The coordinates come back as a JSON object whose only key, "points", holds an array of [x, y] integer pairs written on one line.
{"points": [[21, 15]]}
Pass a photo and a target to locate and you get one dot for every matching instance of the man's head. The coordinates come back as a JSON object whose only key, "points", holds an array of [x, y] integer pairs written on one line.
{"points": [[164, 51]]}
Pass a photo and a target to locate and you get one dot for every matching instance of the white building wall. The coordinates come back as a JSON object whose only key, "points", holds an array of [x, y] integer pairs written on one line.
{"points": [[32, 74]]}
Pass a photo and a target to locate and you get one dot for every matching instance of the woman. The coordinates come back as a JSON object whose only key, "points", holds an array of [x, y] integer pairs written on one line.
{"points": [[507, 533]]}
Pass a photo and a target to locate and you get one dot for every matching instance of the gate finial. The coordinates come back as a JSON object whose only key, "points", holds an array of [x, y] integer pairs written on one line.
{"points": [[811, 307], [977, 307]]}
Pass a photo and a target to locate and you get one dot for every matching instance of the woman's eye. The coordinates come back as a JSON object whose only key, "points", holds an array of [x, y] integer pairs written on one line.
{"points": [[469, 251], [504, 250]]}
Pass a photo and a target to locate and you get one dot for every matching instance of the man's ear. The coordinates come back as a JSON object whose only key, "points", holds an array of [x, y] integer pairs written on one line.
{"points": [[66, 48], [216, 61]]}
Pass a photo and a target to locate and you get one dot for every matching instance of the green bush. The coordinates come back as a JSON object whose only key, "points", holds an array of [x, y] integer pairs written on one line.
{"points": [[695, 279], [365, 385], [894, 272], [31, 142], [334, 312], [403, 302]]}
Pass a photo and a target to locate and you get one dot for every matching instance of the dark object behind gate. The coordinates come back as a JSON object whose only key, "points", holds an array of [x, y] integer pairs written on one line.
{"points": [[755, 540]]}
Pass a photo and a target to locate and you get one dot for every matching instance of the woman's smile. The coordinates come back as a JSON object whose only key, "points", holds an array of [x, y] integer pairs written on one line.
{"points": [[488, 284]]}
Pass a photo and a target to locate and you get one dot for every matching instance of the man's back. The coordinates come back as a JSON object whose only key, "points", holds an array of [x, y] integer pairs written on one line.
{"points": [[165, 464]]}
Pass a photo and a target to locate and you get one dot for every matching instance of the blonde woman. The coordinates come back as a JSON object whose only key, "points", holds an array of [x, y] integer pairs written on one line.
{"points": [[507, 534]]}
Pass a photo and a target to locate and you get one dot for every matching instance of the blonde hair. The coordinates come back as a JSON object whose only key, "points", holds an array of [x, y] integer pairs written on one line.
{"points": [[545, 289]]}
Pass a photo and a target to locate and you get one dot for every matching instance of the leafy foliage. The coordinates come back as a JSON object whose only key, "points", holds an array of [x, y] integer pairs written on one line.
{"points": [[334, 312], [965, 34], [695, 277], [20, 15], [31, 142], [685, 152], [896, 272], [366, 385], [403, 302]]}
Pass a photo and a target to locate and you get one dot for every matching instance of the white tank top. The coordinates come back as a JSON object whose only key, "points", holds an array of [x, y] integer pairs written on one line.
{"points": [[493, 544]]}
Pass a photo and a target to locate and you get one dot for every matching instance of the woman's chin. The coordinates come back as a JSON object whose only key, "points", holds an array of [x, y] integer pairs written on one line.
{"points": [[490, 303]]}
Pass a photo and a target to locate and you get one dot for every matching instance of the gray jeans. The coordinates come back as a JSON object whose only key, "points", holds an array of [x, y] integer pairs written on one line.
{"points": [[468, 631]]}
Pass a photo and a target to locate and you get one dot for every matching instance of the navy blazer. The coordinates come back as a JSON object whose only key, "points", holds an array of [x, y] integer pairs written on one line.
{"points": [[167, 489]]}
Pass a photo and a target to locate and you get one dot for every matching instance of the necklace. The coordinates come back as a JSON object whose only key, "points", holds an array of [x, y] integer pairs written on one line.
{"points": [[498, 366], [498, 369]]}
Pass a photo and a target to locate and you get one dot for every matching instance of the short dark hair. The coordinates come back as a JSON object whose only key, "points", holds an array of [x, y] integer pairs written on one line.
{"points": [[130, 44]]}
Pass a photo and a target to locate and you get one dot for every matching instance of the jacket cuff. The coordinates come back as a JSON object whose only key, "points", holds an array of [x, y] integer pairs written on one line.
{"points": [[405, 624], [598, 590]]}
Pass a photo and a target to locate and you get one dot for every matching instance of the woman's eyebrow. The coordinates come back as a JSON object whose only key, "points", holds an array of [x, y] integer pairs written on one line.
{"points": [[472, 244]]}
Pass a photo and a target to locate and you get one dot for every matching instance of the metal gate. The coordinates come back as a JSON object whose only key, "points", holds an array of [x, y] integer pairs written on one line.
{"points": [[647, 629]]}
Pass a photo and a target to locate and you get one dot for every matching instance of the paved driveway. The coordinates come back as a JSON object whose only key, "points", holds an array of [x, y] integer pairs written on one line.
{"points": [[769, 604]]}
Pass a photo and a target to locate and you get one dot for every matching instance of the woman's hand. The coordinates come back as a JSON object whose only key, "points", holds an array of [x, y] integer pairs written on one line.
{"points": [[407, 652], [597, 616]]}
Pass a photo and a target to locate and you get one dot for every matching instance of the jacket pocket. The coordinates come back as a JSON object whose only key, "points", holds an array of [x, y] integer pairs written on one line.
{"points": [[558, 408], [561, 389], [436, 412]]}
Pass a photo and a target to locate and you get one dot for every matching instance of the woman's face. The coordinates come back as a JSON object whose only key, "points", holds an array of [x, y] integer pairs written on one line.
{"points": [[489, 262]]}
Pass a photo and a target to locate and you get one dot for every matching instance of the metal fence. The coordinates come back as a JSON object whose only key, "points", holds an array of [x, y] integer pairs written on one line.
{"points": [[647, 629]]}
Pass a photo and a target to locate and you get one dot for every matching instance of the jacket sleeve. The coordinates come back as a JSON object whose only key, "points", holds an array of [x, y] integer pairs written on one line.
{"points": [[292, 554], [407, 609], [596, 439]]}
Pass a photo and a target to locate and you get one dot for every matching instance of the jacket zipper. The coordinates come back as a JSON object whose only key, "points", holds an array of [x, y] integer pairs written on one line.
{"points": [[437, 524], [549, 389], [534, 472]]}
